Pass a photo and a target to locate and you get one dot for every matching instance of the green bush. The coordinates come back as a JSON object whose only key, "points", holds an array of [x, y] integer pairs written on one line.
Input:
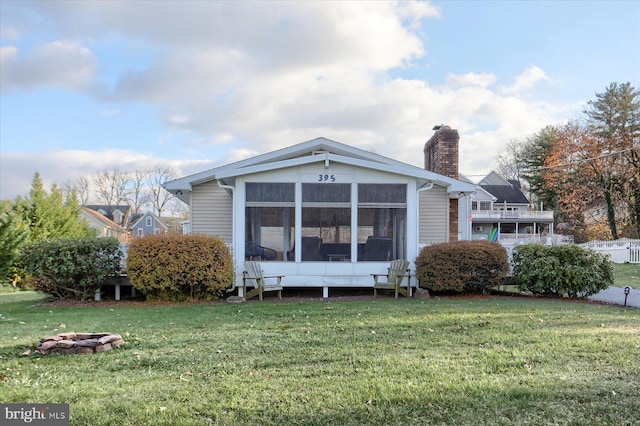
{"points": [[180, 267], [563, 270], [71, 268], [462, 266]]}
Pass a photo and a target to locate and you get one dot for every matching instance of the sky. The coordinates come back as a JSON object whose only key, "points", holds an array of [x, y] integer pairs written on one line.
{"points": [[89, 86]]}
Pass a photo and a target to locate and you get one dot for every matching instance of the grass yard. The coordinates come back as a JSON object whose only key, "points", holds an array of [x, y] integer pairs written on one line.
{"points": [[627, 274], [479, 361]]}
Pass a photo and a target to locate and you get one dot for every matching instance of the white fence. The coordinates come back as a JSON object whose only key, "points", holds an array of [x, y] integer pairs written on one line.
{"points": [[623, 250]]}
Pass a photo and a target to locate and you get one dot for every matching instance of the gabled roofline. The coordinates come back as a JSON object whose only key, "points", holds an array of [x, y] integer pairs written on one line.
{"points": [[103, 219], [302, 153], [153, 216]]}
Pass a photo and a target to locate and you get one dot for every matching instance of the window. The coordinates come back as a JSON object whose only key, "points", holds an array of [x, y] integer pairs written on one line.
{"points": [[149, 221], [326, 221], [140, 232], [481, 205], [269, 221], [117, 216], [382, 217]]}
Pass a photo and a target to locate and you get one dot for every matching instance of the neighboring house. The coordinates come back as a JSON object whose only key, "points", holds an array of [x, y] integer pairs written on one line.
{"points": [[325, 214], [147, 224], [174, 225], [499, 211], [104, 226], [119, 214]]}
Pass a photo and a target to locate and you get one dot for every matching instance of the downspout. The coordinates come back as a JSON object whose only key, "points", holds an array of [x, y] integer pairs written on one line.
{"points": [[233, 228]]}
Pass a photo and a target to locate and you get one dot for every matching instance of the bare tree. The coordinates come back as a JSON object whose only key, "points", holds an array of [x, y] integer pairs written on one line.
{"points": [[156, 177], [139, 194], [80, 188], [112, 187], [510, 162]]}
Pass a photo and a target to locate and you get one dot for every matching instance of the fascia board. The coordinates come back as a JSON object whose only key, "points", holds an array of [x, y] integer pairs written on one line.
{"points": [[453, 185]]}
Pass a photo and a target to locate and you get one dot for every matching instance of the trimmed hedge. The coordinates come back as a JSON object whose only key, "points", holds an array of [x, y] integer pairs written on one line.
{"points": [[562, 270], [71, 268], [180, 267], [462, 266]]}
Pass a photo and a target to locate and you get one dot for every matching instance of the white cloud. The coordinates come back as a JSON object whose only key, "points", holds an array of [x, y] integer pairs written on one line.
{"points": [[525, 81], [58, 63], [61, 166], [263, 75], [471, 79]]}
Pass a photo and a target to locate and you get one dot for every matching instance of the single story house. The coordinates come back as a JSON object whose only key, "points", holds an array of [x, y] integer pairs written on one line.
{"points": [[324, 214]]}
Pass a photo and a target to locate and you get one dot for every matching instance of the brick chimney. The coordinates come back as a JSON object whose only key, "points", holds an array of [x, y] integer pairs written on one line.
{"points": [[441, 156], [441, 151]]}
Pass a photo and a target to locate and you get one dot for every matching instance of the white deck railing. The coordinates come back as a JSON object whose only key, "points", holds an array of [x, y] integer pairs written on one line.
{"points": [[518, 214]]}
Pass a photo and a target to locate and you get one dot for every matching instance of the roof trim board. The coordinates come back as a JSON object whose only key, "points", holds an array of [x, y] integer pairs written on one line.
{"points": [[325, 151]]}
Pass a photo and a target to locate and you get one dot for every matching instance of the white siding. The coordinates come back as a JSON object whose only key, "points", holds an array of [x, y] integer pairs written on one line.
{"points": [[433, 216], [212, 211]]}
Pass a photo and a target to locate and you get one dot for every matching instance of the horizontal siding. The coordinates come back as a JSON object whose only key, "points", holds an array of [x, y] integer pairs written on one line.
{"points": [[212, 211], [432, 217]]}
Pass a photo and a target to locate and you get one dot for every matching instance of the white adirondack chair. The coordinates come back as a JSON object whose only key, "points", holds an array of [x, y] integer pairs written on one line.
{"points": [[253, 274]]}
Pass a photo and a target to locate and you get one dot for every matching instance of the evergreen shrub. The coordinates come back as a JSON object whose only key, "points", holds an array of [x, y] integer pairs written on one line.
{"points": [[180, 267], [564, 270], [71, 268], [462, 266]]}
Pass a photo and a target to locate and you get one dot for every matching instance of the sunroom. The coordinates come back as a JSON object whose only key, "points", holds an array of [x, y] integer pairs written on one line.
{"points": [[321, 214]]}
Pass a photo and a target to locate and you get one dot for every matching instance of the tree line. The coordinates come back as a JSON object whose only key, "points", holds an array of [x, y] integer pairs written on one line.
{"points": [[588, 169], [141, 190], [50, 214]]}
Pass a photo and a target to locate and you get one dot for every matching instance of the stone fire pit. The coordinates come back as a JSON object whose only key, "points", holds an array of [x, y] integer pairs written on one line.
{"points": [[79, 343]]}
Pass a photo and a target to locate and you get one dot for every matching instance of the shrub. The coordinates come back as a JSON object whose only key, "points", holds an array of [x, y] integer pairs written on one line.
{"points": [[180, 267], [72, 268], [563, 270], [462, 266]]}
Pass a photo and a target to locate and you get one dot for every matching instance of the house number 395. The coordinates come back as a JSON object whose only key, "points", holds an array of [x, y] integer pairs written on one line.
{"points": [[326, 178]]}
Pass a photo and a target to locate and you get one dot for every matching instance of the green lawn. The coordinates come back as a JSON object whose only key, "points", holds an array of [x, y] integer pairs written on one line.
{"points": [[627, 274], [498, 361]]}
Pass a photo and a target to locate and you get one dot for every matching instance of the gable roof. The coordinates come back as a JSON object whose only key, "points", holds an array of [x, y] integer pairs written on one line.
{"points": [[504, 190], [315, 150], [494, 178], [506, 194], [140, 216], [124, 208], [99, 218]]}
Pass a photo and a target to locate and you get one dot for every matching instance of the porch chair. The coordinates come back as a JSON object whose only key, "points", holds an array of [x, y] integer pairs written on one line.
{"points": [[398, 269], [253, 274]]}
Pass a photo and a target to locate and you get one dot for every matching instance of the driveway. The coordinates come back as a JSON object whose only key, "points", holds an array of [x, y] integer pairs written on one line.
{"points": [[615, 295]]}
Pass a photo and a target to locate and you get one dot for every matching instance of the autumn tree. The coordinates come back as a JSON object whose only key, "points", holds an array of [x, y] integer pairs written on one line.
{"points": [[564, 170]]}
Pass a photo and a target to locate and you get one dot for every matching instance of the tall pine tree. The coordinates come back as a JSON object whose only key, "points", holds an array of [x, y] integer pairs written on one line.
{"points": [[13, 235], [614, 117], [49, 216]]}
